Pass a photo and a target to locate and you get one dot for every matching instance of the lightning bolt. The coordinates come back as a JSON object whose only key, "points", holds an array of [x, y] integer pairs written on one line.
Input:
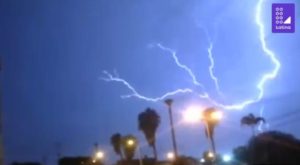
{"points": [[136, 94], [211, 68], [237, 106], [211, 59], [268, 52], [180, 65]]}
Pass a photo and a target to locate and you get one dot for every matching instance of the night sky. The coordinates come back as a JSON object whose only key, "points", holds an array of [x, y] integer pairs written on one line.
{"points": [[54, 53]]}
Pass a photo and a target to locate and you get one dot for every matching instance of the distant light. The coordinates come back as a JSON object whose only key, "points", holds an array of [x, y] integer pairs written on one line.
{"points": [[99, 155], [226, 158], [202, 160], [130, 142], [210, 154], [170, 156], [193, 114], [94, 161], [217, 115]]}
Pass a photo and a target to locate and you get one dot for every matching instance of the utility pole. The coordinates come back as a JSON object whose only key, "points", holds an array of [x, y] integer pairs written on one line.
{"points": [[1, 121], [169, 104]]}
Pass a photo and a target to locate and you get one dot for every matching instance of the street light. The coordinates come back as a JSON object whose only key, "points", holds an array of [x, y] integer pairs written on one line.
{"points": [[210, 117], [217, 115], [99, 155], [202, 160], [192, 114], [130, 142], [226, 158], [195, 114], [170, 156], [211, 154]]}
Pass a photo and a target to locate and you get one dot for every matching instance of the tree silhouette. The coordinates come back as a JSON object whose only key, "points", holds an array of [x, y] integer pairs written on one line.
{"points": [[148, 122], [251, 121], [186, 160], [116, 142], [129, 145], [274, 147], [240, 154]]}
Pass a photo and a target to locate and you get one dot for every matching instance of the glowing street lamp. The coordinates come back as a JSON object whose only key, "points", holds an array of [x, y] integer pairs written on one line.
{"points": [[192, 115], [195, 114], [99, 155], [217, 115], [202, 160], [130, 142], [170, 156], [210, 155], [226, 158], [210, 117]]}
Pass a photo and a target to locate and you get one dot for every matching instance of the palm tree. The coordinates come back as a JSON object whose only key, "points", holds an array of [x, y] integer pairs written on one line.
{"points": [[251, 121], [129, 145], [211, 119], [148, 122], [116, 142]]}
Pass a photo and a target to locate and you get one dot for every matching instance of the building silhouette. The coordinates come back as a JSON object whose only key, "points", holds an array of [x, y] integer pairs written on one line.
{"points": [[82, 160]]}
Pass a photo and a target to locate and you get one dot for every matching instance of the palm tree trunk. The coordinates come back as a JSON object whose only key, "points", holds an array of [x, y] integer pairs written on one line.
{"points": [[154, 151], [209, 134], [173, 133], [121, 156], [213, 144]]}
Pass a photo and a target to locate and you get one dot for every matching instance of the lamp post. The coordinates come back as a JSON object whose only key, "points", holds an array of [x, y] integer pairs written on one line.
{"points": [[169, 104], [209, 116], [98, 154], [131, 143], [1, 132], [98, 157]]}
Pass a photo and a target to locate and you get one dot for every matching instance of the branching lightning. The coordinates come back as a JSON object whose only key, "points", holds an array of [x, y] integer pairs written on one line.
{"points": [[237, 106], [211, 59], [115, 78], [211, 68], [180, 65], [268, 52]]}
